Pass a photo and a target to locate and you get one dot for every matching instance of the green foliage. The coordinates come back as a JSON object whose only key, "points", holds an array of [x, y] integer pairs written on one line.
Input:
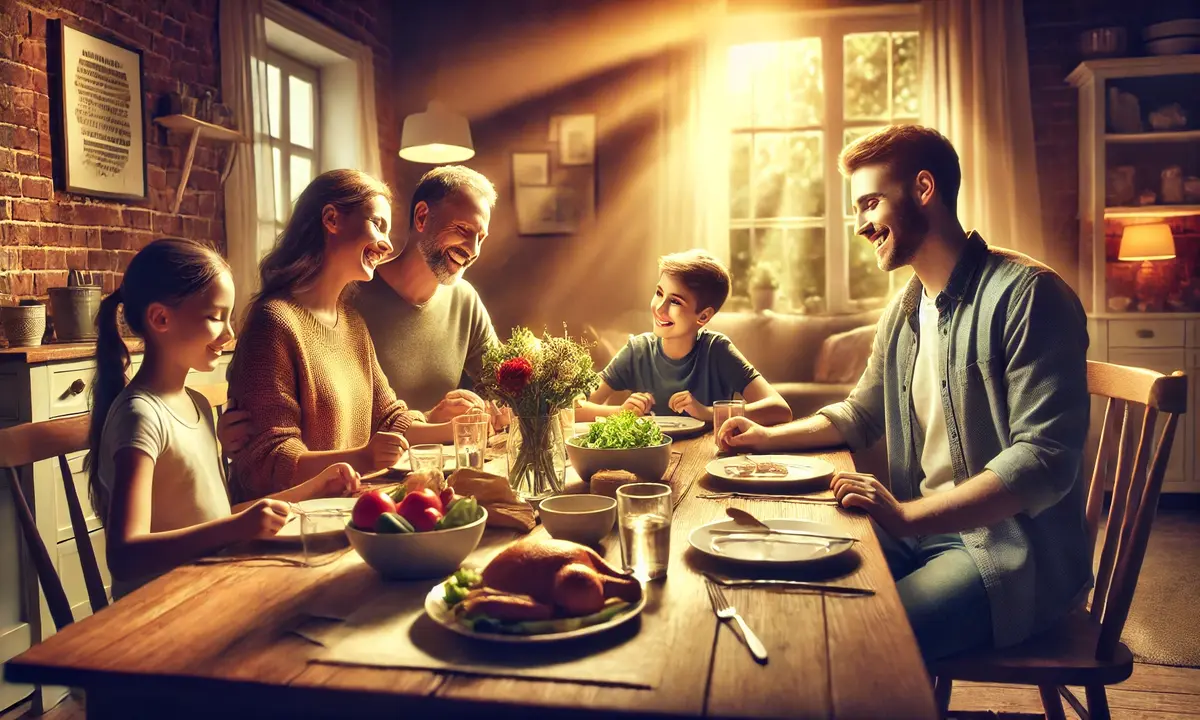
{"points": [[562, 371]]}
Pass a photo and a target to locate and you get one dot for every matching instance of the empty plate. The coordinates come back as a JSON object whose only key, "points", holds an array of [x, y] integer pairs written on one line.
{"points": [[760, 547]]}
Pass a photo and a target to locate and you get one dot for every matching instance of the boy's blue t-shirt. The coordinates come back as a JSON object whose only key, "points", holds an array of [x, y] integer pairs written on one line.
{"points": [[713, 370]]}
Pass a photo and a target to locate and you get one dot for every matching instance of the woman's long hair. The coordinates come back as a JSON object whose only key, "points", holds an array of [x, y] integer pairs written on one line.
{"points": [[294, 262], [166, 271]]}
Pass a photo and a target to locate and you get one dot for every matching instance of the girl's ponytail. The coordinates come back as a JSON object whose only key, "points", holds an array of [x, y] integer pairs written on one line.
{"points": [[112, 362]]}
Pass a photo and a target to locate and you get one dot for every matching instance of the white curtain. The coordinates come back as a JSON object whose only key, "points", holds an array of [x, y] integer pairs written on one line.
{"points": [[694, 182], [975, 91], [250, 189]]}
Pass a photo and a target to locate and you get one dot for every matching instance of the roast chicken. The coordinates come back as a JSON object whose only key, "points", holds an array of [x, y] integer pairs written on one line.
{"points": [[542, 579]]}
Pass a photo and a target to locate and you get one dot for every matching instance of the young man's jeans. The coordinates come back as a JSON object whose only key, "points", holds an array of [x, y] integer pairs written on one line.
{"points": [[941, 590]]}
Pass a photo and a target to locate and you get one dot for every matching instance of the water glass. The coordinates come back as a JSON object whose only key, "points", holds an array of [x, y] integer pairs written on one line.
{"points": [[323, 535], [722, 411], [470, 440], [644, 528]]}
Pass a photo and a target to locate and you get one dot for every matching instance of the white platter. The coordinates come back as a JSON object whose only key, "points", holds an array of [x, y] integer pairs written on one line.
{"points": [[764, 549]]}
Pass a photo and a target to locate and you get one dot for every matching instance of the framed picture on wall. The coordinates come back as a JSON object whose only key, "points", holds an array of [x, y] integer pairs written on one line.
{"points": [[576, 137], [96, 114], [531, 168]]}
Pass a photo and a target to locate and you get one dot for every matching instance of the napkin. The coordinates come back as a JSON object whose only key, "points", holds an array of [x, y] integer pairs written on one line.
{"points": [[493, 492]]}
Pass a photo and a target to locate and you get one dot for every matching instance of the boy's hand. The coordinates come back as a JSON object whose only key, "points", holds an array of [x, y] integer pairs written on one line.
{"points": [[264, 518], [862, 491], [739, 433], [233, 429], [337, 480], [639, 402], [684, 402], [455, 403]]}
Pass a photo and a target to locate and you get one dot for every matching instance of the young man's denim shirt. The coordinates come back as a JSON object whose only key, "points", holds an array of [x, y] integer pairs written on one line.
{"points": [[1012, 356]]}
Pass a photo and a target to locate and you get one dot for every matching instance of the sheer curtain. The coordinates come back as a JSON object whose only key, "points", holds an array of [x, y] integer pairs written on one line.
{"points": [[249, 189], [976, 92]]}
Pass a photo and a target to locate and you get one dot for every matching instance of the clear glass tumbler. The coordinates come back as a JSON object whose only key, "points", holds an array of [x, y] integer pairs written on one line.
{"points": [[323, 535], [644, 528], [722, 411], [470, 440]]}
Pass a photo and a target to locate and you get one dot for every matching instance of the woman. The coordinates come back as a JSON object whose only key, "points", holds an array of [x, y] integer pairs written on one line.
{"points": [[305, 369]]}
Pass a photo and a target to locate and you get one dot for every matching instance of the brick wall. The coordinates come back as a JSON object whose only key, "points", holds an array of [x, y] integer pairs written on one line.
{"points": [[44, 232]]}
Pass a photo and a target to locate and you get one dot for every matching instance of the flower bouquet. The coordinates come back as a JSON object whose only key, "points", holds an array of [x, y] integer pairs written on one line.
{"points": [[536, 378]]}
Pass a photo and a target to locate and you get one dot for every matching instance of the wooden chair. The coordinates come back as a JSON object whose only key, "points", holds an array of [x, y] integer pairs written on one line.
{"points": [[32, 442], [1086, 648]]}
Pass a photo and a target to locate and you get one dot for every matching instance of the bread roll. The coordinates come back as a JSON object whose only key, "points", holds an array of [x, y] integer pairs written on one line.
{"points": [[606, 482]]}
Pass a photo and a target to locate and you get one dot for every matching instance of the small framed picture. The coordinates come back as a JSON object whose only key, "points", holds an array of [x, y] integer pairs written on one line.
{"points": [[531, 169], [97, 129], [576, 137]]}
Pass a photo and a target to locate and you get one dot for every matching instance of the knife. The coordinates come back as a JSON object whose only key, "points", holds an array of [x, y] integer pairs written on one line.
{"points": [[843, 589]]}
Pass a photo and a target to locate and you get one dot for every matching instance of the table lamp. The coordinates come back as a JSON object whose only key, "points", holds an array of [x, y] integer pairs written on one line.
{"points": [[436, 136], [1147, 242]]}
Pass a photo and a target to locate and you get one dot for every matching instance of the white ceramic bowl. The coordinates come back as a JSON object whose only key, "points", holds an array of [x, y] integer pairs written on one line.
{"points": [[585, 519], [647, 463], [420, 555]]}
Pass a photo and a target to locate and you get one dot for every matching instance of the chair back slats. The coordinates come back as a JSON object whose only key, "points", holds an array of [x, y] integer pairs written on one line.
{"points": [[1140, 467], [33, 442], [56, 597], [87, 554]]}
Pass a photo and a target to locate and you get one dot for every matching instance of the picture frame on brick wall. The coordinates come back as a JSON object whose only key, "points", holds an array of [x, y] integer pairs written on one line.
{"points": [[98, 137]]}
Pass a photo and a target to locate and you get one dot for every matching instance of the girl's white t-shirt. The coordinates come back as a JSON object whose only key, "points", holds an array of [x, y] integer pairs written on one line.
{"points": [[189, 484]]}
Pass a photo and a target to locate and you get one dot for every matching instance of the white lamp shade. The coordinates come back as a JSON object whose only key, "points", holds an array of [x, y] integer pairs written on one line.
{"points": [[436, 136], [1147, 242]]}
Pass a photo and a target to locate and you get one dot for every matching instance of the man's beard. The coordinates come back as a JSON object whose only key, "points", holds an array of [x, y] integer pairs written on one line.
{"points": [[907, 232], [435, 258]]}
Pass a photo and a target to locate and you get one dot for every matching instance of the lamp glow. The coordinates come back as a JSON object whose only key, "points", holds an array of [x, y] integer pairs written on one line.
{"points": [[1147, 242], [436, 136]]}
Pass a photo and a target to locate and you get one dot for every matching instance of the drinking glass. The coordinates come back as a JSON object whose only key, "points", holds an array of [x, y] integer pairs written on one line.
{"points": [[566, 419], [322, 533], [644, 528], [470, 440], [722, 411]]}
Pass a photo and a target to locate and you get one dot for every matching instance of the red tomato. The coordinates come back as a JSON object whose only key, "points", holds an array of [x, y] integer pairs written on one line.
{"points": [[412, 508], [447, 496], [369, 507], [426, 520]]}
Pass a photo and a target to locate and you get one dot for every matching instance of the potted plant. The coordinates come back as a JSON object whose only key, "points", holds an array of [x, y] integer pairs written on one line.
{"points": [[537, 379], [764, 283], [24, 324]]}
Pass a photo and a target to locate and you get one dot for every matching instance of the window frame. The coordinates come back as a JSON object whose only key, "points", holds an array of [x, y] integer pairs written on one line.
{"points": [[291, 67], [831, 27]]}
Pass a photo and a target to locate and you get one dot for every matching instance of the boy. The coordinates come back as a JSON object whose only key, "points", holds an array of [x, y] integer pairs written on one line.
{"points": [[681, 367]]}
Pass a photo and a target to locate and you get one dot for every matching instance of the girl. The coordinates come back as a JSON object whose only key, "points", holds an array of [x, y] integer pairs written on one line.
{"points": [[305, 371], [155, 474]]}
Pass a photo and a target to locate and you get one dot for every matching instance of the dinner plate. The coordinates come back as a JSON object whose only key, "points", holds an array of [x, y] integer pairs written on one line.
{"points": [[799, 468], [440, 613], [291, 531], [763, 549], [670, 425], [448, 464]]}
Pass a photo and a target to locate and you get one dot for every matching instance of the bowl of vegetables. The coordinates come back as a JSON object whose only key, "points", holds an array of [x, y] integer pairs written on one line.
{"points": [[415, 535], [623, 441]]}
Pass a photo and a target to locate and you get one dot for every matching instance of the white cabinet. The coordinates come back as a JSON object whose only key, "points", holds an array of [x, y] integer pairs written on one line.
{"points": [[44, 384]]}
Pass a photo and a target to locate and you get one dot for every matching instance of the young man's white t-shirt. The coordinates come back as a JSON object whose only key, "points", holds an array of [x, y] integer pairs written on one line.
{"points": [[189, 485], [927, 403]]}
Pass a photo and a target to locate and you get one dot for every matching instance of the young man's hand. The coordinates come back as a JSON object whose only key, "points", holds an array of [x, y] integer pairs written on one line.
{"points": [[864, 492], [685, 403], [455, 403], [233, 429], [639, 402], [740, 433]]}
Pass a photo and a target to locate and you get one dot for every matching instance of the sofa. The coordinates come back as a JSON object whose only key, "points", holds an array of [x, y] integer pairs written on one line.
{"points": [[812, 360]]}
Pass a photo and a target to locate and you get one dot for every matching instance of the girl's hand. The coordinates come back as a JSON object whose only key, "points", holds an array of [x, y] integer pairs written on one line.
{"points": [[383, 450], [264, 518], [337, 480], [639, 402], [685, 403]]}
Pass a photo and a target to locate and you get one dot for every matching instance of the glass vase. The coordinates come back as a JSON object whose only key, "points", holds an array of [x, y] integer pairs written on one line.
{"points": [[537, 464]]}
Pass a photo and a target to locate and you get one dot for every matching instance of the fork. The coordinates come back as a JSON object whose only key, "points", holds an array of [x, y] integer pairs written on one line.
{"points": [[725, 611]]}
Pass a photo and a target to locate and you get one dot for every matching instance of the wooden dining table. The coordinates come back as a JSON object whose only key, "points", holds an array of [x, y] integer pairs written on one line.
{"points": [[216, 638]]}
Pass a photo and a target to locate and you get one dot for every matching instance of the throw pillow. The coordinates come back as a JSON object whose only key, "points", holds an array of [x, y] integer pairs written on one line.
{"points": [[843, 357]]}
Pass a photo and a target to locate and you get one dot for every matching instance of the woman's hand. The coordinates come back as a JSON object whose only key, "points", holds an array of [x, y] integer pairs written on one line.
{"points": [[337, 480], [263, 519], [455, 403], [233, 429], [383, 450], [639, 402]]}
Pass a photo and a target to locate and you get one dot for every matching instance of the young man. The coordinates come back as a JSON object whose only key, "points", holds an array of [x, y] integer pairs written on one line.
{"points": [[978, 381], [681, 367]]}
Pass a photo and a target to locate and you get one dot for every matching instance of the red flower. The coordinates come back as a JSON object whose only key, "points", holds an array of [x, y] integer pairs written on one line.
{"points": [[513, 375]]}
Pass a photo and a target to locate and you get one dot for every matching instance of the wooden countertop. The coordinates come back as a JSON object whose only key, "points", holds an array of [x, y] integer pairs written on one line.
{"points": [[58, 352]]}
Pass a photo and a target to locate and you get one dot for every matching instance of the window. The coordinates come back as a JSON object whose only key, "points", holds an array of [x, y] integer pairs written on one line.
{"points": [[292, 102], [794, 103]]}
